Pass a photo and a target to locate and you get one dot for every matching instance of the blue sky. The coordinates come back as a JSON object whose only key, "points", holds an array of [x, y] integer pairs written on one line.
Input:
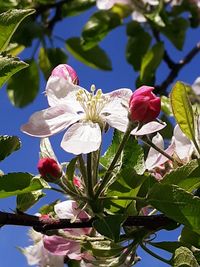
{"points": [[26, 158]]}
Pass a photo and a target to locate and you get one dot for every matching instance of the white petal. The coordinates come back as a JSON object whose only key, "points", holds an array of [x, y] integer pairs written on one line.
{"points": [[117, 101], [50, 121], [148, 128], [107, 4], [153, 154], [196, 86], [118, 120], [68, 210], [59, 90], [183, 145], [137, 16], [83, 137]]}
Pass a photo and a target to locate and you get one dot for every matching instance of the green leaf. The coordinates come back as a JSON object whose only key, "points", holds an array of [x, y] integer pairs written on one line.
{"points": [[151, 61], [108, 156], [184, 257], [94, 57], [49, 58], [71, 169], [19, 183], [8, 144], [98, 26], [134, 50], [183, 176], [27, 200], [49, 208], [8, 66], [190, 237], [23, 87], [9, 21], [182, 109], [72, 8], [175, 31], [109, 226], [176, 204]]}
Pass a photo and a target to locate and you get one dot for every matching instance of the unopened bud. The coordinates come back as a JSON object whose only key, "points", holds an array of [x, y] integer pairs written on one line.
{"points": [[49, 169], [67, 72], [144, 106]]}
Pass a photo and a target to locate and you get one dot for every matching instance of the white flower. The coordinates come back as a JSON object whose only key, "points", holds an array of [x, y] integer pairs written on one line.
{"points": [[38, 255], [84, 114]]}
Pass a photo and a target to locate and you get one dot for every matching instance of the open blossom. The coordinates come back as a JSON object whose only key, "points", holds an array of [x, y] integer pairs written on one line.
{"points": [[60, 246], [144, 105], [37, 255], [181, 148]]}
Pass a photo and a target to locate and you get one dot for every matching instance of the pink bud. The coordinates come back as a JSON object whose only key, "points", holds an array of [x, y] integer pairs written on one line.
{"points": [[67, 72], [49, 169], [77, 182], [144, 105]]}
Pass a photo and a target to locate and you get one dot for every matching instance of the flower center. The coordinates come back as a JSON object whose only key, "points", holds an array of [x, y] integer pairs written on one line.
{"points": [[92, 103]]}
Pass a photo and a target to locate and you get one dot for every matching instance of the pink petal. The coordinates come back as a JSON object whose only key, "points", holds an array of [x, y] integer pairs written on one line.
{"points": [[149, 128], [50, 121]]}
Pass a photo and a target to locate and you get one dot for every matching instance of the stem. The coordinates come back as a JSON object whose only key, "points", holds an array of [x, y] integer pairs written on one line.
{"points": [[114, 161], [83, 170], [141, 199], [154, 254], [80, 238], [90, 182], [68, 191], [149, 143]]}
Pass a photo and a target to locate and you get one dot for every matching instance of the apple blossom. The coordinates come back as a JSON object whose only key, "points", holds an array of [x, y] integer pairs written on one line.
{"points": [[66, 72], [36, 254], [49, 169], [144, 105], [84, 114], [61, 246]]}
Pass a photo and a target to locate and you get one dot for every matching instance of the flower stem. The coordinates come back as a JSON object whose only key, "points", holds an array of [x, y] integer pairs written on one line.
{"points": [[154, 254], [83, 170], [108, 173], [161, 151], [141, 199], [90, 182]]}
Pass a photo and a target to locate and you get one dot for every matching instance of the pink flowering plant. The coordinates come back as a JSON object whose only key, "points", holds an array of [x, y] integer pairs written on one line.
{"points": [[113, 199]]}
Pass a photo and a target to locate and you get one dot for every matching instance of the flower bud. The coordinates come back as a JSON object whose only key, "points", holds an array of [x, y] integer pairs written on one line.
{"points": [[67, 72], [144, 106], [49, 169]]}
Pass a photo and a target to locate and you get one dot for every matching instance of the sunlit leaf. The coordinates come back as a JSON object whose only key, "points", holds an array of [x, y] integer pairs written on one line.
{"points": [[27, 200], [151, 61], [9, 21], [19, 183], [98, 26], [184, 258], [182, 109], [8, 66]]}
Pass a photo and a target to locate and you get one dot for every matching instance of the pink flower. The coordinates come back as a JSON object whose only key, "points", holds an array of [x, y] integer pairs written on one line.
{"points": [[144, 105], [61, 246], [49, 169]]}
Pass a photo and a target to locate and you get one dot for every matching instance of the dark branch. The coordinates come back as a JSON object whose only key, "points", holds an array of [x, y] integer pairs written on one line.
{"points": [[176, 69], [44, 224]]}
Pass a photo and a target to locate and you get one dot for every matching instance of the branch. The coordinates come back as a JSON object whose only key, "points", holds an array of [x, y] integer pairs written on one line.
{"points": [[40, 224], [176, 69]]}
